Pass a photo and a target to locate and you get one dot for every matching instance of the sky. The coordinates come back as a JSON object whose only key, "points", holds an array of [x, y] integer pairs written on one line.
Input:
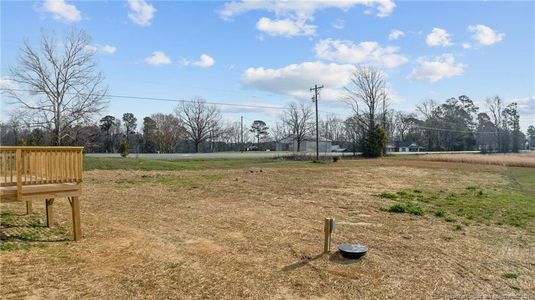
{"points": [[268, 54]]}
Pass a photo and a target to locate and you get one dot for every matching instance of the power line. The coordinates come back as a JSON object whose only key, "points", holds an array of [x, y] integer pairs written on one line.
{"points": [[163, 99], [451, 130], [174, 100]]}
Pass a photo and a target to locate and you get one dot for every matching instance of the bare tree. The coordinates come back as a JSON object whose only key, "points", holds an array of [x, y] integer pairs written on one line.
{"points": [[200, 120], [298, 117], [369, 97], [168, 132], [279, 132], [332, 127], [427, 108], [403, 123], [63, 78], [369, 100], [496, 107]]}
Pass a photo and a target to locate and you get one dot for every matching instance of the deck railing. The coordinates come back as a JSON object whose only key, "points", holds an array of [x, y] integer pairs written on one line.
{"points": [[42, 173], [40, 165]]}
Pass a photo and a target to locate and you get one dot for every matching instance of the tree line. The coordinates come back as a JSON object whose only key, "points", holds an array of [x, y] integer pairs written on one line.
{"points": [[59, 94]]}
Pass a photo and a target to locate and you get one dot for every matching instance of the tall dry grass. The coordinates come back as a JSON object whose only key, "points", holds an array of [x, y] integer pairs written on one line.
{"points": [[525, 159]]}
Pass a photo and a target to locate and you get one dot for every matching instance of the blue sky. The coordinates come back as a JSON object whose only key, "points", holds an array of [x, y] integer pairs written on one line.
{"points": [[270, 53]]}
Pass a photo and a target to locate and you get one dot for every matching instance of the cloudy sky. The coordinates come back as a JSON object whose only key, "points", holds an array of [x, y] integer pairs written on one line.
{"points": [[264, 53]]}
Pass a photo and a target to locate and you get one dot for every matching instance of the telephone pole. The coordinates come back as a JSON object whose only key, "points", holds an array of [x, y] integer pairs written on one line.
{"points": [[315, 99]]}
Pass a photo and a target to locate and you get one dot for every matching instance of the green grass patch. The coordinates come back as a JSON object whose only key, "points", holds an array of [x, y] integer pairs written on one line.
{"points": [[119, 163], [440, 213], [510, 275], [388, 196], [405, 208]]}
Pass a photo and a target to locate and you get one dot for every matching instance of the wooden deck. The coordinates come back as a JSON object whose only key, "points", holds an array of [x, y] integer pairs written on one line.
{"points": [[43, 173]]}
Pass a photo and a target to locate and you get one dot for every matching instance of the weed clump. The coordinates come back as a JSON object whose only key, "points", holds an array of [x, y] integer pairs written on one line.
{"points": [[510, 275], [406, 208], [440, 213], [388, 196]]}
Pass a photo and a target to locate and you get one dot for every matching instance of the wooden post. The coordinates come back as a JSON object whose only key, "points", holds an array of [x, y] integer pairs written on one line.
{"points": [[29, 209], [49, 212], [327, 229], [75, 206], [18, 170]]}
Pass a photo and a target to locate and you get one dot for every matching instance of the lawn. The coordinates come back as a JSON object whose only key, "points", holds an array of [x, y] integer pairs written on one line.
{"points": [[253, 229]]}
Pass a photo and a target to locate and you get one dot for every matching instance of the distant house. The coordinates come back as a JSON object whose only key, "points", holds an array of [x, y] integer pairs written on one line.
{"points": [[413, 147], [308, 144], [392, 148], [404, 147]]}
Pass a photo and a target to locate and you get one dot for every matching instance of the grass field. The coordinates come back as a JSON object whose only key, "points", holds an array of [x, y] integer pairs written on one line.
{"points": [[526, 159], [228, 229]]}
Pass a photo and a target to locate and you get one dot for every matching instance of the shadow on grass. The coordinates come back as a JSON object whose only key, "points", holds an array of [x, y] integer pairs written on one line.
{"points": [[336, 258], [21, 231], [302, 263]]}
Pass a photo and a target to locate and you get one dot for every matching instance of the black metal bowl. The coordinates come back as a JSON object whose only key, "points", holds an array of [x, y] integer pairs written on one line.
{"points": [[352, 251]]}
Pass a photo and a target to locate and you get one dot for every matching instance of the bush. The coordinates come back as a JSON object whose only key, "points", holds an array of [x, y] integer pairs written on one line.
{"points": [[374, 144], [125, 148]]}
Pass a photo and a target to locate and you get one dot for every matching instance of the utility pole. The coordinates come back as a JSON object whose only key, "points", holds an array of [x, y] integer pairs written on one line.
{"points": [[315, 99], [241, 134]]}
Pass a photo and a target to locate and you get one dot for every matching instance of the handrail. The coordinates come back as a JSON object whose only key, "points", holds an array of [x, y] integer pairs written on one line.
{"points": [[21, 166], [52, 148]]}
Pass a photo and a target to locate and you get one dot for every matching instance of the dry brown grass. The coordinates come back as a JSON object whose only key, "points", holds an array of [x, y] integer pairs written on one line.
{"points": [[509, 160], [242, 233]]}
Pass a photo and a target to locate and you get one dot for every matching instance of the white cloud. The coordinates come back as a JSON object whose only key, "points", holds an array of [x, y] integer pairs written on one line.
{"points": [[364, 52], [285, 27], [302, 9], [158, 58], [485, 35], [205, 61], [526, 105], [339, 24], [396, 34], [62, 11], [467, 45], [439, 37], [106, 49], [295, 80], [141, 13], [8, 84], [438, 68]]}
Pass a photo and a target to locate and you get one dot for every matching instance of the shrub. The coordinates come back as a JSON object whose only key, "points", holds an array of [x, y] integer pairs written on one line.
{"points": [[125, 148], [374, 143]]}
